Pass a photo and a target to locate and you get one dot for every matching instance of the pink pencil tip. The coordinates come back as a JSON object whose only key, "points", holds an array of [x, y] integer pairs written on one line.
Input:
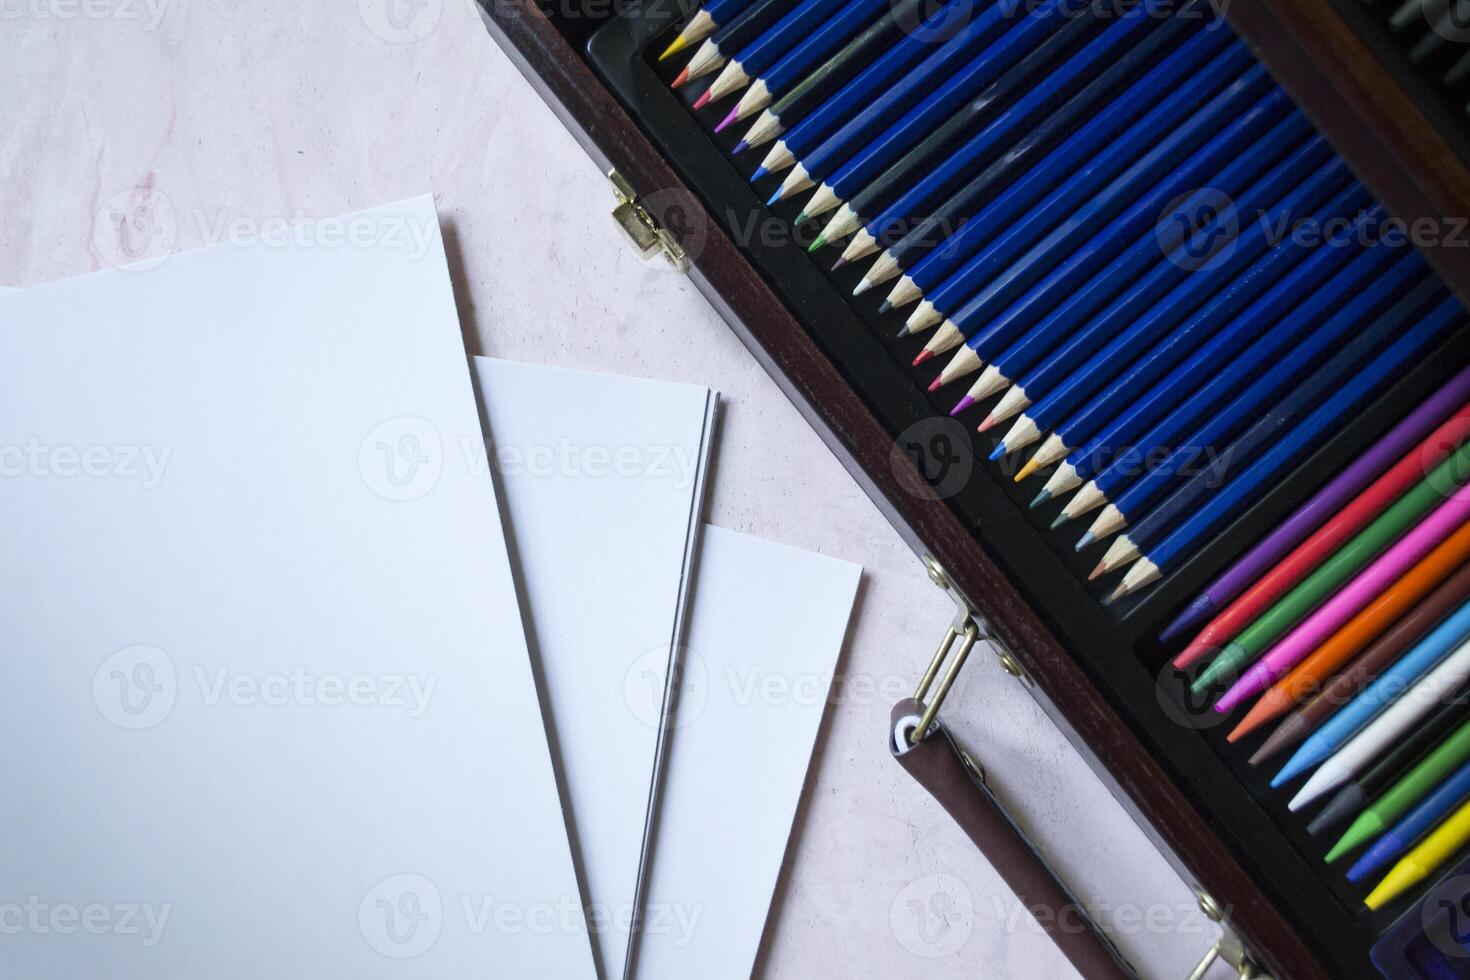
{"points": [[961, 405], [702, 101], [936, 384], [924, 355], [989, 423], [730, 120]]}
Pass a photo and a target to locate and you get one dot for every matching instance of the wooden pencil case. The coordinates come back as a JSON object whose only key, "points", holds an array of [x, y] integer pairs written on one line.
{"points": [[1100, 673]]}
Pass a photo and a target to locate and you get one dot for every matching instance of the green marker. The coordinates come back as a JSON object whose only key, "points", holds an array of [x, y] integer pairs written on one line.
{"points": [[1417, 783], [1405, 512]]}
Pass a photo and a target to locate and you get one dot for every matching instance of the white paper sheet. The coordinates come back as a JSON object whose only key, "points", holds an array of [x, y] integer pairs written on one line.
{"points": [[602, 483], [766, 628], [266, 695]]}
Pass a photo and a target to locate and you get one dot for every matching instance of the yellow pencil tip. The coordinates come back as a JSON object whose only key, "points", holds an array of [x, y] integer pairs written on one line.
{"points": [[1031, 467], [679, 45]]}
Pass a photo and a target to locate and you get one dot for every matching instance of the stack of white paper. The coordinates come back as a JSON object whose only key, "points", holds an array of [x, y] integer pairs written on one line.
{"points": [[267, 687]]}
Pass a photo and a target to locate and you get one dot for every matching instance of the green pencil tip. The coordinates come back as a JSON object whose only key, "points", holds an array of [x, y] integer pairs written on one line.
{"points": [[1338, 850], [800, 217], [821, 240]]}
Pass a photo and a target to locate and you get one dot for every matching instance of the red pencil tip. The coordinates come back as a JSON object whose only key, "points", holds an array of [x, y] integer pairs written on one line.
{"points": [[1190, 654], [989, 423], [936, 384], [702, 101], [924, 355], [681, 78], [729, 120]]}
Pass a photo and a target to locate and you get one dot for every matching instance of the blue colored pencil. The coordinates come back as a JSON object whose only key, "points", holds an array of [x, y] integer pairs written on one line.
{"points": [[896, 96], [880, 78], [1180, 161], [1104, 427], [1339, 729], [1427, 814], [1118, 52], [1178, 86], [1070, 304], [1103, 107], [703, 23], [1059, 220], [1068, 375], [1199, 507], [806, 55], [1232, 404], [733, 36], [760, 54], [845, 168]]}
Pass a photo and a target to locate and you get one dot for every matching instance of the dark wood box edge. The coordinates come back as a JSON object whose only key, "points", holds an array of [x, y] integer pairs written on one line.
{"points": [[814, 385]]}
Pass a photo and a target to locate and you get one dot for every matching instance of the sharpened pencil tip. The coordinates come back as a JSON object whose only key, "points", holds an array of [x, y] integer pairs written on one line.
{"points": [[961, 405], [1039, 500], [903, 332], [1060, 519], [739, 148], [821, 240], [839, 263], [936, 384], [729, 120], [679, 45], [1084, 541], [1032, 465], [800, 218], [924, 355], [988, 423], [760, 172], [998, 451], [681, 78], [884, 306], [862, 287], [1098, 572], [702, 101]]}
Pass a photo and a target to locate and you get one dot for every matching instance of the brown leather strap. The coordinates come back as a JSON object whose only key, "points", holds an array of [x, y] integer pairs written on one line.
{"points": [[938, 765]]}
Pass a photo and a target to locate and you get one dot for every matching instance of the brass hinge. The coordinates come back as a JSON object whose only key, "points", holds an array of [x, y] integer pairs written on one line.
{"points": [[643, 232], [967, 628]]}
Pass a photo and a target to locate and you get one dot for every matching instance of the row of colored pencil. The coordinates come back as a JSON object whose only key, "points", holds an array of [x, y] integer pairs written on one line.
{"points": [[1082, 200], [1349, 626]]}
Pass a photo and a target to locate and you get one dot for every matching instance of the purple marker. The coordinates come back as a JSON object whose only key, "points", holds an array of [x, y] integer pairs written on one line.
{"points": [[1323, 505]]}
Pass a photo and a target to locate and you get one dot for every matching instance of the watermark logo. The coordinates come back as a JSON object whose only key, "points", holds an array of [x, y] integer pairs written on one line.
{"points": [[933, 916], [682, 216], [644, 687], [1443, 467], [136, 229], [402, 458], [1197, 230], [401, 21], [1445, 916], [1450, 21], [136, 687], [940, 449], [1186, 708], [401, 916], [932, 21]]}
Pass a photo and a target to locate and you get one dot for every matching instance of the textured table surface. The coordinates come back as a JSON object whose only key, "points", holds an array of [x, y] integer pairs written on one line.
{"points": [[204, 121]]}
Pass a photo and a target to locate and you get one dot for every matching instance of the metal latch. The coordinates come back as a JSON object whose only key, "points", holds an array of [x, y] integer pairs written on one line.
{"points": [[967, 628], [1228, 949], [643, 232]]}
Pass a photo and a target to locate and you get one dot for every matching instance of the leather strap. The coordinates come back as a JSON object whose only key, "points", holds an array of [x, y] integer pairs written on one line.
{"points": [[939, 766]]}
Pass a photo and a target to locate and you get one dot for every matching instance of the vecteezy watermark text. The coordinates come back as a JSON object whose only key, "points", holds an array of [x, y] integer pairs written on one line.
{"points": [[37, 460], [36, 917]]}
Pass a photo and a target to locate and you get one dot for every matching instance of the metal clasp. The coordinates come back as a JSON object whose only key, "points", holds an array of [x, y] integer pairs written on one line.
{"points": [[966, 629], [1228, 948], [643, 232]]}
